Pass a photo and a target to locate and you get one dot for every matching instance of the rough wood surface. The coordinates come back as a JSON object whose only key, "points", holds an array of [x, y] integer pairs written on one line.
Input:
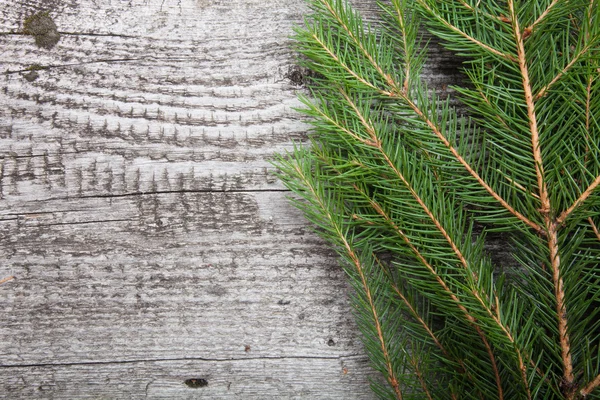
{"points": [[149, 242]]}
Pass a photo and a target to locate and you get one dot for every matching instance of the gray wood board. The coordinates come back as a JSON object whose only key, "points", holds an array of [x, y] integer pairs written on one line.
{"points": [[149, 240]]}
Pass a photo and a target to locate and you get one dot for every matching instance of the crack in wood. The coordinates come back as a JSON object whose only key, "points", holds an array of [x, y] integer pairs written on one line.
{"points": [[202, 359], [151, 193]]}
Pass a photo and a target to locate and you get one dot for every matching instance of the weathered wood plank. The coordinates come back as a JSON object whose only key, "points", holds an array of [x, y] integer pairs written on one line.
{"points": [[149, 240], [281, 378], [167, 275]]}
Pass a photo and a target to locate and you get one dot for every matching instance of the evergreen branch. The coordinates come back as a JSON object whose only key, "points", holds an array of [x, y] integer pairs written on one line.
{"points": [[376, 142], [415, 364], [437, 132], [470, 318], [400, 294], [527, 31], [594, 227], [395, 172], [396, 92], [542, 92], [590, 387], [551, 228], [389, 80], [456, 30], [391, 375], [590, 189], [475, 11]]}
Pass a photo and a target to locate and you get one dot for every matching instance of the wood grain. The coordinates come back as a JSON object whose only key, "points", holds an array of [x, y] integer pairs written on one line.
{"points": [[149, 240]]}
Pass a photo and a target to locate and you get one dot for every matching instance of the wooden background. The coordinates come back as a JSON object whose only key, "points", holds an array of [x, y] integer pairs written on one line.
{"points": [[149, 241]]}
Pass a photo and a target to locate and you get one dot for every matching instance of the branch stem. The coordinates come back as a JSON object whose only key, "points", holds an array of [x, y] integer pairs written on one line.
{"points": [[590, 387], [396, 91], [391, 375], [550, 226]]}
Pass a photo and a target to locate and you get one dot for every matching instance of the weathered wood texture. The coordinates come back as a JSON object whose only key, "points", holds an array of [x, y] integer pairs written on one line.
{"points": [[149, 241]]}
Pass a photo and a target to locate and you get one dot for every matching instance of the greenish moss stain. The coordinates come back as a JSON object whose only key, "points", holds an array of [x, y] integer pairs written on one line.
{"points": [[29, 24], [42, 27], [35, 67]]}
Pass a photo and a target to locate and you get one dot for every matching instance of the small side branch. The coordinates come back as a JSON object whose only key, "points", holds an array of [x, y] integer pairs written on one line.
{"points": [[527, 31], [488, 15], [566, 69], [594, 228], [415, 364], [590, 189], [590, 387], [465, 35], [391, 375]]}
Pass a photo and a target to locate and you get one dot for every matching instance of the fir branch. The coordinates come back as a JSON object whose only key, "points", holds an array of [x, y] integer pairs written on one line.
{"points": [[395, 91], [392, 170], [577, 203], [546, 207], [355, 260], [468, 167], [470, 318], [376, 142], [590, 387], [528, 30], [577, 57], [480, 44]]}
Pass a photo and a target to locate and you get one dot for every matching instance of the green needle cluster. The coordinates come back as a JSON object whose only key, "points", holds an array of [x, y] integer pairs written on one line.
{"points": [[406, 188]]}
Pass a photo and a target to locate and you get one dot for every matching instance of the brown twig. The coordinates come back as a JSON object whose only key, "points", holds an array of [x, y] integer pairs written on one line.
{"points": [[590, 189], [543, 15], [550, 225], [391, 375], [590, 387], [594, 227]]}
